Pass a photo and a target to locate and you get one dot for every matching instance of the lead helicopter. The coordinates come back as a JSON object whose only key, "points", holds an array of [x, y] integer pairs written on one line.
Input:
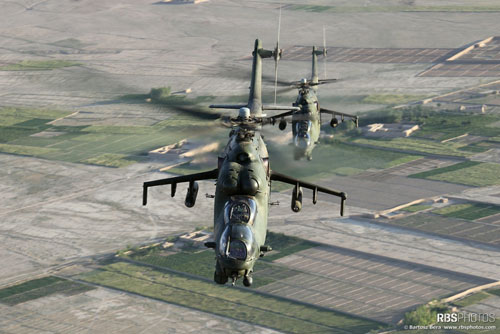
{"points": [[243, 187], [306, 122]]}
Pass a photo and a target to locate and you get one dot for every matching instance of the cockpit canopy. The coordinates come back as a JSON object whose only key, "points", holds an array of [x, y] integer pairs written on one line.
{"points": [[240, 209], [303, 127], [237, 242], [302, 137]]}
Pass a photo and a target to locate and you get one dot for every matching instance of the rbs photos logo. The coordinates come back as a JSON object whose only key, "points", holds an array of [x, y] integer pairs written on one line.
{"points": [[465, 317], [460, 321]]}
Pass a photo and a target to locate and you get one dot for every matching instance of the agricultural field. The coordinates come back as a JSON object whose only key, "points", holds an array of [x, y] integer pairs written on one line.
{"points": [[439, 133], [335, 158], [468, 173], [77, 123], [32, 132], [38, 65], [199, 262], [39, 288], [452, 124], [391, 99], [417, 208], [455, 221], [243, 305], [472, 299], [286, 273], [468, 211], [415, 146]]}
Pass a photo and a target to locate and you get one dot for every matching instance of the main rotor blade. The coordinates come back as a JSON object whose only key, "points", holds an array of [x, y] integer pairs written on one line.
{"points": [[245, 74], [326, 81], [287, 89]]}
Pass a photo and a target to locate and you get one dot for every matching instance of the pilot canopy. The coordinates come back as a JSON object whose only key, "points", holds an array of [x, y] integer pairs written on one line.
{"points": [[237, 242]]}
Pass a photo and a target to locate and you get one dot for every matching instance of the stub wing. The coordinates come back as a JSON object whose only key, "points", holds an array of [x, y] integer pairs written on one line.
{"points": [[272, 119], [191, 178], [314, 187], [354, 118]]}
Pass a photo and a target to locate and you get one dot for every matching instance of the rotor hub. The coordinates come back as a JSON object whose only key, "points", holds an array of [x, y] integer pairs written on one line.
{"points": [[244, 113]]}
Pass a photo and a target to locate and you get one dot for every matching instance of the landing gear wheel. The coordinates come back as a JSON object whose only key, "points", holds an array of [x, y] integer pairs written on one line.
{"points": [[247, 281]]}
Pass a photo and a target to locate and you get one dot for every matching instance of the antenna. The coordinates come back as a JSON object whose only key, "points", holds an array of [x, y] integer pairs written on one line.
{"points": [[324, 52], [277, 56]]}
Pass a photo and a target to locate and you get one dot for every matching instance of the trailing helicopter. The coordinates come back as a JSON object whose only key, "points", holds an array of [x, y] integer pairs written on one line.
{"points": [[243, 186], [306, 122]]}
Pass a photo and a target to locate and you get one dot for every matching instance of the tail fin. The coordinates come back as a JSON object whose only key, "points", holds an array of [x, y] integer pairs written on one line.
{"points": [[315, 54], [255, 96]]}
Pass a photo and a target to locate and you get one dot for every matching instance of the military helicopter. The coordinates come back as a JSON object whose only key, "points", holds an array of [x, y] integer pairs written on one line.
{"points": [[243, 186], [306, 122]]}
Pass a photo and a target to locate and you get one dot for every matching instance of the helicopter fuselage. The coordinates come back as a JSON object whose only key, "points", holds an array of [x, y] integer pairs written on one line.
{"points": [[306, 124], [241, 204]]}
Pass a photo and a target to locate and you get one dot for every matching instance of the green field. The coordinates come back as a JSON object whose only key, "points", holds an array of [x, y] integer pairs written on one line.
{"points": [[38, 65], [202, 262], [391, 99], [284, 245], [272, 312], [451, 125], [416, 146], [434, 127], [472, 299], [334, 158], [112, 146], [109, 160], [39, 288], [468, 173], [417, 208], [477, 147], [449, 226], [469, 211], [29, 117]]}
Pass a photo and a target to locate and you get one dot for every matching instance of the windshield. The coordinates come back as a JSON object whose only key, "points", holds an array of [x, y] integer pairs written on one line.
{"points": [[302, 140], [236, 241], [302, 127], [240, 209]]}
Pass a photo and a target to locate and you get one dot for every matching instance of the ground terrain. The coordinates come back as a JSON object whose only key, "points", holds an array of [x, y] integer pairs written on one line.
{"points": [[76, 129]]}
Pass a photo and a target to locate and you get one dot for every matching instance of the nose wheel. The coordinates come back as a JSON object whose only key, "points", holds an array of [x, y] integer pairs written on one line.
{"points": [[247, 281]]}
